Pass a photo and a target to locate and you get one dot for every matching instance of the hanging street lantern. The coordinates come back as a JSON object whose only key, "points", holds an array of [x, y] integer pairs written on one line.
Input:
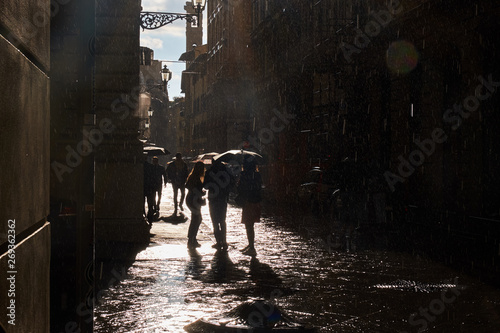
{"points": [[166, 75]]}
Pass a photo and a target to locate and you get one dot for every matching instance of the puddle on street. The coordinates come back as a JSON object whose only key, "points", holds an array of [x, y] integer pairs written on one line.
{"points": [[169, 287]]}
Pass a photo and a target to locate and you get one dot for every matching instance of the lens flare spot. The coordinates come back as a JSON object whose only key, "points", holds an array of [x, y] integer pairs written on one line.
{"points": [[402, 57]]}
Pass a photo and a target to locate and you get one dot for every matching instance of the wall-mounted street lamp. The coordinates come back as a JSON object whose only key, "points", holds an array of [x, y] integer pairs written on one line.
{"points": [[150, 112], [155, 20]]}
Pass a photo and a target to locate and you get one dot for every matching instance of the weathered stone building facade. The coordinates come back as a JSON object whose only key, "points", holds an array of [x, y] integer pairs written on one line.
{"points": [[437, 146], [70, 80], [153, 106], [96, 157], [175, 125], [230, 97], [24, 182], [404, 91], [194, 85]]}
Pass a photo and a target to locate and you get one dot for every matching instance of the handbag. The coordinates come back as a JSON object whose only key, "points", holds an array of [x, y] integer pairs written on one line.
{"points": [[240, 200]]}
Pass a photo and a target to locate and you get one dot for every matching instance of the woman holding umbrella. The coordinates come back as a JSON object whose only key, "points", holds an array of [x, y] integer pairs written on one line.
{"points": [[194, 201], [249, 187]]}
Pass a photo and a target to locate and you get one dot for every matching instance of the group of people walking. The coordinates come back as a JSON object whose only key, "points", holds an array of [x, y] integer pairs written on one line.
{"points": [[219, 181], [155, 177]]}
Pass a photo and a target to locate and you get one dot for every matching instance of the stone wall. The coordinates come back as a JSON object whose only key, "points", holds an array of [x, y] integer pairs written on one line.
{"points": [[24, 180], [72, 166], [118, 160], [435, 130]]}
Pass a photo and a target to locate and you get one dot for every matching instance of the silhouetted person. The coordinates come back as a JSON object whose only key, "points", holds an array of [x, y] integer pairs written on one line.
{"points": [[159, 179], [218, 181], [149, 190], [250, 186], [177, 172], [194, 201]]}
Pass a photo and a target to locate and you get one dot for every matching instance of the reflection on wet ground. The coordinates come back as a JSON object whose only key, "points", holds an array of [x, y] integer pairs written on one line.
{"points": [[169, 287]]}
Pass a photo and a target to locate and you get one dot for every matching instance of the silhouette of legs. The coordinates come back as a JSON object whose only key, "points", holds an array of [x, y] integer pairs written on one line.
{"points": [[218, 210], [182, 189], [194, 225]]}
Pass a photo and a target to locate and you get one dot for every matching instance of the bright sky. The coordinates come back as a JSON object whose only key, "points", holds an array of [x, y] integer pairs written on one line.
{"points": [[168, 42]]}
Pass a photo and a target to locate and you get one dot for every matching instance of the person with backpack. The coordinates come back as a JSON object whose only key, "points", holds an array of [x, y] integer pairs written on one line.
{"points": [[194, 201], [218, 181]]}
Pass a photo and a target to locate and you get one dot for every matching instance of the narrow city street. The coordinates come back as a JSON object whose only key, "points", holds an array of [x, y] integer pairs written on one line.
{"points": [[330, 285]]}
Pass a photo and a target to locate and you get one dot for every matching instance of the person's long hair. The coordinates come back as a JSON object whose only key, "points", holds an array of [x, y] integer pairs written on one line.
{"points": [[249, 165], [197, 173]]}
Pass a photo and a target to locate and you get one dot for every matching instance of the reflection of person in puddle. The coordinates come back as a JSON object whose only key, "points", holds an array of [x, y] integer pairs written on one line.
{"points": [[263, 274], [221, 264], [194, 267], [223, 270]]}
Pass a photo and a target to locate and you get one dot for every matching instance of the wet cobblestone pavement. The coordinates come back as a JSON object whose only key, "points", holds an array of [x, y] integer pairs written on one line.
{"points": [[336, 290]]}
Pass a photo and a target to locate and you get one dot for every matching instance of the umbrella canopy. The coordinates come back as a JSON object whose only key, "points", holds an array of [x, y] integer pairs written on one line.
{"points": [[205, 158], [154, 150], [238, 155]]}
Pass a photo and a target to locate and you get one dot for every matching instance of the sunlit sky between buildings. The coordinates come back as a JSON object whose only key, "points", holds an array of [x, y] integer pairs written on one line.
{"points": [[169, 42]]}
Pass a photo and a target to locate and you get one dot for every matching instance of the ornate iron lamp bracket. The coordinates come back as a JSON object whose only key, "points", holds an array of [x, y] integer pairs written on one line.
{"points": [[155, 20]]}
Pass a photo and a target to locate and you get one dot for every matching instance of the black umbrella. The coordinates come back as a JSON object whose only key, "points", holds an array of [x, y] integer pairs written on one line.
{"points": [[154, 151], [238, 156]]}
